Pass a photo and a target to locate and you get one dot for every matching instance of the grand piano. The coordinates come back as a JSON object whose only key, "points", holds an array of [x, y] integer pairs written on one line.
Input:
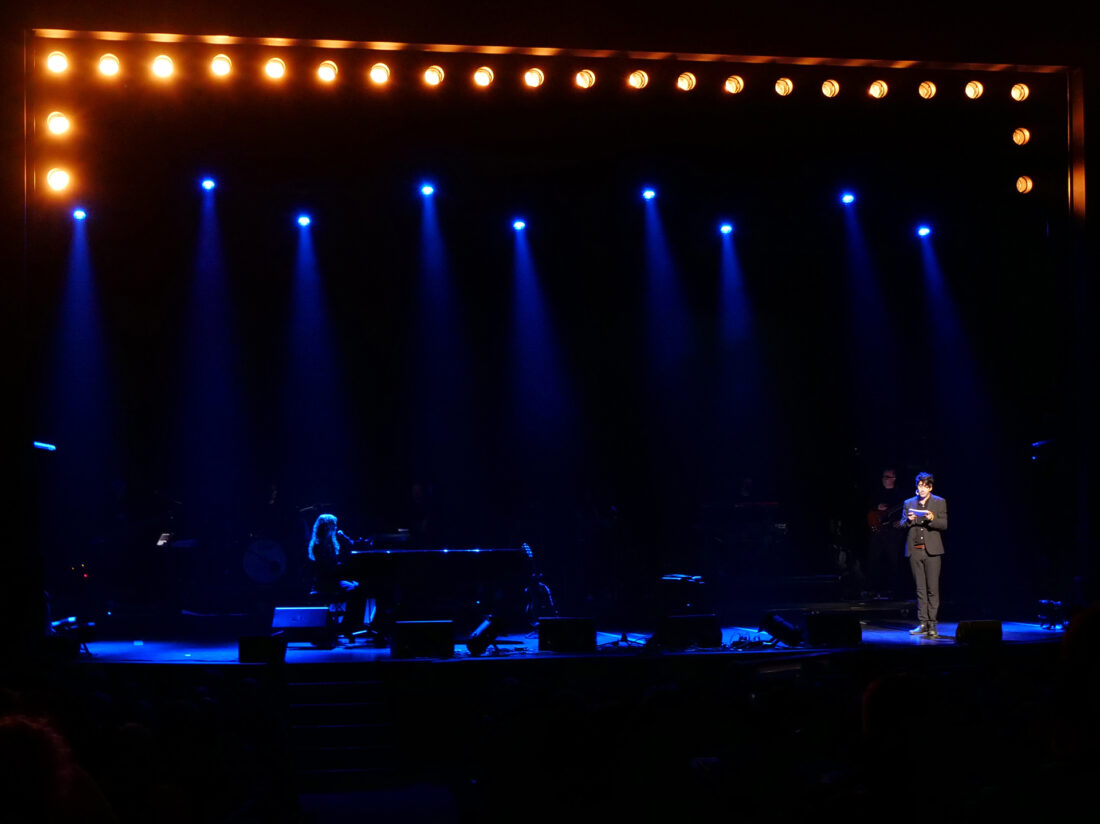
{"points": [[461, 585]]}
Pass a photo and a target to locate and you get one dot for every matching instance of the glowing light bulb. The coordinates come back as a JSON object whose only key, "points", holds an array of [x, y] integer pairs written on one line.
{"points": [[379, 73], [585, 79], [638, 79], [57, 123], [433, 75], [878, 89], [275, 68], [163, 66], [57, 62], [1021, 136], [734, 84], [1020, 91], [927, 90], [483, 76], [830, 88], [784, 86], [685, 82], [1024, 184], [57, 179], [534, 78], [221, 65], [109, 65], [974, 89], [327, 71], [726, 228]]}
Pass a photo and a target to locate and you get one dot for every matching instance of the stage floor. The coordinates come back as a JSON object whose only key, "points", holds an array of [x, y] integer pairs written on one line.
{"points": [[736, 641]]}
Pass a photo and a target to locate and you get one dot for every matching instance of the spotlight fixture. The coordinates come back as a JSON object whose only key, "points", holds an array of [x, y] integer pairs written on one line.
{"points": [[685, 82], [79, 214], [1024, 184], [433, 75], [275, 68], [735, 84], [109, 65], [519, 224], [483, 636], [163, 66], [649, 194], [974, 89], [878, 89], [924, 230], [784, 86], [427, 189], [1020, 91], [830, 88], [534, 78], [303, 220], [208, 183], [327, 71], [781, 629], [57, 179], [379, 74], [483, 76], [1021, 136], [57, 62], [221, 65], [927, 90], [57, 123], [638, 79], [847, 198], [726, 228], [585, 79]]}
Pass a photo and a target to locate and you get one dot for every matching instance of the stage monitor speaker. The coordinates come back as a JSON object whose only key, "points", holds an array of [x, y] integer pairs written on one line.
{"points": [[833, 629], [978, 633], [567, 634], [312, 624], [683, 631], [261, 649], [423, 639]]}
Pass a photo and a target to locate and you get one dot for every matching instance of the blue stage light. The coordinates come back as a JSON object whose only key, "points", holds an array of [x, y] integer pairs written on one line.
{"points": [[519, 224], [208, 183], [847, 198], [47, 447], [303, 220], [427, 189], [649, 194], [924, 231], [725, 228], [79, 214]]}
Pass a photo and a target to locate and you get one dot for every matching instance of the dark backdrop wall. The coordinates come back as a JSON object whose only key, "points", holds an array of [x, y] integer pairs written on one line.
{"points": [[625, 453]]}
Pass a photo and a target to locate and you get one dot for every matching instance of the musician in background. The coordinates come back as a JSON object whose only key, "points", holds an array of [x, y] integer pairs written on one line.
{"points": [[328, 576], [884, 546]]}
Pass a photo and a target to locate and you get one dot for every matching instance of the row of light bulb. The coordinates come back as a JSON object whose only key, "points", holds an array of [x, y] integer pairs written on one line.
{"points": [[275, 68]]}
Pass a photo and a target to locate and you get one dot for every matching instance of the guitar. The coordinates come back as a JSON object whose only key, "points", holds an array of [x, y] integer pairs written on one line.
{"points": [[877, 520]]}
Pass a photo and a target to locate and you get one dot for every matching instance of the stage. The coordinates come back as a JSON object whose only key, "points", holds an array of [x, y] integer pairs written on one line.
{"points": [[736, 641]]}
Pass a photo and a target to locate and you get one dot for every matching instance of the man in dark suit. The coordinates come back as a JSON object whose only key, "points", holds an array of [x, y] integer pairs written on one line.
{"points": [[924, 517]]}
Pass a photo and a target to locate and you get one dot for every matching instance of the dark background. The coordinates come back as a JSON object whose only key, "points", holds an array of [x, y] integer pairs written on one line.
{"points": [[635, 471]]}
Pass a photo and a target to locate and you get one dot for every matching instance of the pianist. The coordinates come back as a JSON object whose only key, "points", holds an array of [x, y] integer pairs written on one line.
{"points": [[327, 575]]}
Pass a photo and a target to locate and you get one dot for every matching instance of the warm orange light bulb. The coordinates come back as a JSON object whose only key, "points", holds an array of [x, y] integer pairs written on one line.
{"points": [[57, 62], [57, 123]]}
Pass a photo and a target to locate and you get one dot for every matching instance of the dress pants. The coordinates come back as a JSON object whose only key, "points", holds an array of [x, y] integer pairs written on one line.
{"points": [[926, 574]]}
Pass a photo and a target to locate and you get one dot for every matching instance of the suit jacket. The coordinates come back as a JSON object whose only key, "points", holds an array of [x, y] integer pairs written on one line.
{"points": [[925, 530]]}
